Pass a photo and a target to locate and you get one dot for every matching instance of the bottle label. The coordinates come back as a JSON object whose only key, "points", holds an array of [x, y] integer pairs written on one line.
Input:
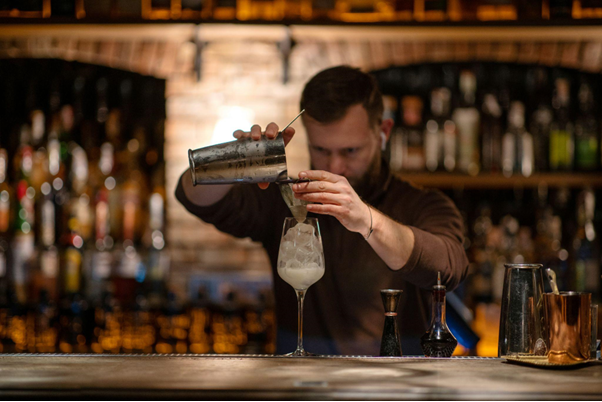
{"points": [[587, 152], [49, 262], [101, 265], [73, 261], [130, 264], [4, 211], [48, 214]]}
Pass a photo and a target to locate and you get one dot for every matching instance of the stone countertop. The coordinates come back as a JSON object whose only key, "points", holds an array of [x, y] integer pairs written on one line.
{"points": [[276, 377]]}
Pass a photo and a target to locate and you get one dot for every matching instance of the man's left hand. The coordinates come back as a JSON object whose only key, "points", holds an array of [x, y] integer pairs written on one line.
{"points": [[334, 196]]}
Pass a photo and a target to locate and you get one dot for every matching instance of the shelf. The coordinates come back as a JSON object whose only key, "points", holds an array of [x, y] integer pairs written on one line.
{"points": [[300, 30], [498, 181]]}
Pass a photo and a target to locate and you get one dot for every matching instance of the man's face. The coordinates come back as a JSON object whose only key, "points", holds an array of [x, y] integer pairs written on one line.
{"points": [[349, 147]]}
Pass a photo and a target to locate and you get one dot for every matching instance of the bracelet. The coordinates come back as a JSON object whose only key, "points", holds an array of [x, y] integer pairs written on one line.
{"points": [[366, 237]]}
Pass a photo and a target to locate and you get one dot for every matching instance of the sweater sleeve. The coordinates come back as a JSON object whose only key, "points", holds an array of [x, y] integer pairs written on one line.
{"points": [[245, 211], [438, 243]]}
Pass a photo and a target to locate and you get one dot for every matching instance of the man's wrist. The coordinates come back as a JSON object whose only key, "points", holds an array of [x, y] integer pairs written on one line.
{"points": [[370, 229]]}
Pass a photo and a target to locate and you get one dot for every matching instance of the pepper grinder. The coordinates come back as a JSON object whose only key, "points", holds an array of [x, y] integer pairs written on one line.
{"points": [[390, 344], [438, 341]]}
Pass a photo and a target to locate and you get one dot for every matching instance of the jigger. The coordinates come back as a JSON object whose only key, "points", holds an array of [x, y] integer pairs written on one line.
{"points": [[390, 344]]}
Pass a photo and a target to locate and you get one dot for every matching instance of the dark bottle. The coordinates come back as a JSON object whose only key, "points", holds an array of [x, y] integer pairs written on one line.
{"points": [[390, 344], [438, 341], [586, 131], [492, 133]]}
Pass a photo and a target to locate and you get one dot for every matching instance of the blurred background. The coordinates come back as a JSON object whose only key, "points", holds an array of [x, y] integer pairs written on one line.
{"points": [[496, 102]]}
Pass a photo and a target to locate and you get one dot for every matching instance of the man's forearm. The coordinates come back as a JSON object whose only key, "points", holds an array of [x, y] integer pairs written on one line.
{"points": [[203, 195], [392, 241]]}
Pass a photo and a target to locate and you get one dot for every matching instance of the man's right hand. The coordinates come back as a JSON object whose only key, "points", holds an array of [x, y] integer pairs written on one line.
{"points": [[271, 131]]}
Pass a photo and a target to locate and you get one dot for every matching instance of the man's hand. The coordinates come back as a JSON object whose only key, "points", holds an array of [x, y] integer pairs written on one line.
{"points": [[271, 131], [335, 197]]}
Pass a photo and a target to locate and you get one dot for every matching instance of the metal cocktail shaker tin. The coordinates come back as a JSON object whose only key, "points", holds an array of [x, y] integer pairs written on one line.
{"points": [[243, 161], [522, 325]]}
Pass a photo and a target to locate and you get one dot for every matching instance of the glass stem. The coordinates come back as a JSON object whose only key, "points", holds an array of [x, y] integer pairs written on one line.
{"points": [[300, 298]]}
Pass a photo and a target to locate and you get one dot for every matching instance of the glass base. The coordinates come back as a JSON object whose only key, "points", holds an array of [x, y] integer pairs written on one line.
{"points": [[300, 353]]}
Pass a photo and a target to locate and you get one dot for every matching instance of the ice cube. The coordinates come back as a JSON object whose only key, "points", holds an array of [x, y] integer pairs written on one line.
{"points": [[304, 255], [293, 264], [305, 228]]}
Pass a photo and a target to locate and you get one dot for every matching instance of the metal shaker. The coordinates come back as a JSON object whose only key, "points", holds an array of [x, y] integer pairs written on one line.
{"points": [[522, 320], [244, 161]]}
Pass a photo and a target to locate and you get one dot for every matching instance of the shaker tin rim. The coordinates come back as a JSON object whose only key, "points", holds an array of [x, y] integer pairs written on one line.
{"points": [[568, 293], [192, 167], [523, 266]]}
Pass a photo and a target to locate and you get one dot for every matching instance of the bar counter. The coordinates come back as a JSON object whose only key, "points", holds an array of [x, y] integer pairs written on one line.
{"points": [[27, 376]]}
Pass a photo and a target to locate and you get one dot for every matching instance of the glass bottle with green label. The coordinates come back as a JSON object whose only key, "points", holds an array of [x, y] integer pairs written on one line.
{"points": [[561, 129]]}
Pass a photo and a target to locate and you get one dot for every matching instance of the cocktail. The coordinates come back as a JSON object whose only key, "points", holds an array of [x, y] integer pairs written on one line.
{"points": [[300, 264]]}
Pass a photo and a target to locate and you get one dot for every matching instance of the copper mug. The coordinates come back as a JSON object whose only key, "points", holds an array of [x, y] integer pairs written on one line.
{"points": [[568, 317]]}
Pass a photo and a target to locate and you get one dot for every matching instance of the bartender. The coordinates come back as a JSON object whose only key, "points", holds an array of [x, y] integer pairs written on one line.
{"points": [[378, 231]]}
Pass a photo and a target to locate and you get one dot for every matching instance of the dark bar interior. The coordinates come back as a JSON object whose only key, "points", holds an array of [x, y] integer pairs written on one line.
{"points": [[455, 254]]}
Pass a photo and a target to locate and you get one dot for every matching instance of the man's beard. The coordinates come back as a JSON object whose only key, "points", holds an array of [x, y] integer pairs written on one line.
{"points": [[364, 186]]}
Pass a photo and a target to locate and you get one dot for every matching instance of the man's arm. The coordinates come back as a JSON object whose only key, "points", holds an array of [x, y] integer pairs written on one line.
{"points": [[435, 244], [202, 195]]}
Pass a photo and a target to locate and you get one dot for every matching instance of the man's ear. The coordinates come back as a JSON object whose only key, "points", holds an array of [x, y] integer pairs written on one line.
{"points": [[385, 129]]}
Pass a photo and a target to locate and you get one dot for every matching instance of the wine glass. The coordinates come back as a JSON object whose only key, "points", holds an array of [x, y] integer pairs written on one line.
{"points": [[300, 264]]}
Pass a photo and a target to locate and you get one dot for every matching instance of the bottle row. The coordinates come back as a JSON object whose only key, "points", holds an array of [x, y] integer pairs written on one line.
{"points": [[336, 10], [156, 322], [491, 118]]}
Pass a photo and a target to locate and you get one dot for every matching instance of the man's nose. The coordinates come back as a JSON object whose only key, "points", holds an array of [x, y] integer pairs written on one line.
{"points": [[336, 164]]}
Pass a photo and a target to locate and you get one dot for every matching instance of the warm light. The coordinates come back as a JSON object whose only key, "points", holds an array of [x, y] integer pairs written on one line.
{"points": [[231, 118]]}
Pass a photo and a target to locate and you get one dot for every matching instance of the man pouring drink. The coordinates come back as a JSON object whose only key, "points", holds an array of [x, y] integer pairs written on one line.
{"points": [[378, 231]]}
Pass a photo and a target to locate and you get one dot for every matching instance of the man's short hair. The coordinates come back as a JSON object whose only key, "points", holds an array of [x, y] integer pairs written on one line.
{"points": [[329, 94]]}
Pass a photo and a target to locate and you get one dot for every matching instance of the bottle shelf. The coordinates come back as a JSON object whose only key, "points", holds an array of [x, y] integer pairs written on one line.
{"points": [[499, 181]]}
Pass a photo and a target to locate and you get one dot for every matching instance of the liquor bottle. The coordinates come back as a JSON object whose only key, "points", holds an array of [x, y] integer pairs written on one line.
{"points": [[24, 224], [492, 133], [586, 132], [438, 341], [585, 246], [466, 118], [413, 132], [74, 307], [517, 144], [561, 129], [99, 258], [541, 119], [434, 135], [6, 206], [7, 203], [131, 267]]}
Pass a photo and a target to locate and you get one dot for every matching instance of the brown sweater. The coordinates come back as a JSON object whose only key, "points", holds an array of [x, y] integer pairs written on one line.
{"points": [[343, 311]]}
